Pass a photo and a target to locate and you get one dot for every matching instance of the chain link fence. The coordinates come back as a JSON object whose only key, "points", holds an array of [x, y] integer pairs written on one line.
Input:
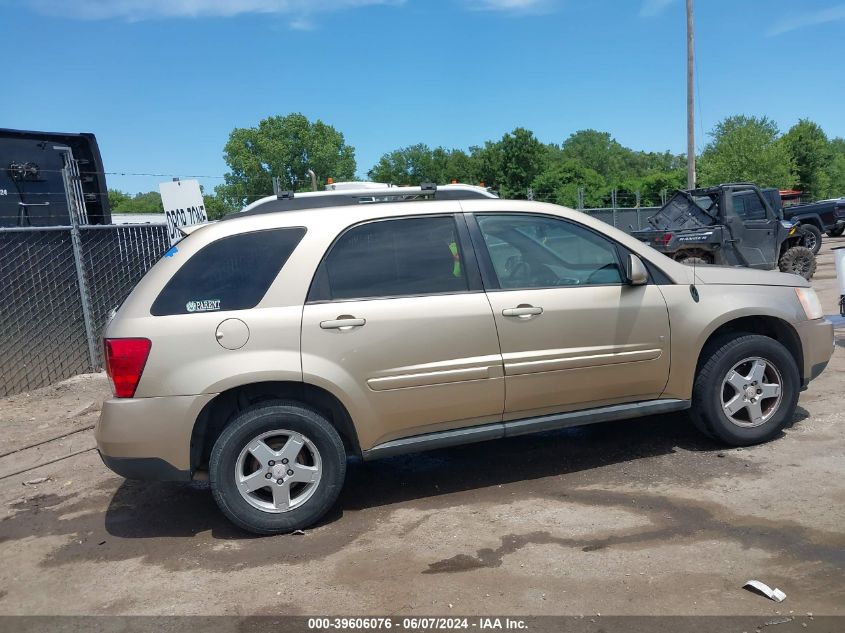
{"points": [[624, 212], [56, 290]]}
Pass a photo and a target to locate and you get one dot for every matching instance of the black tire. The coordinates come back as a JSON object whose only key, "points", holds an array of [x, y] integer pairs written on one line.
{"points": [[718, 359], [835, 232], [812, 237], [798, 260], [263, 418], [693, 261]]}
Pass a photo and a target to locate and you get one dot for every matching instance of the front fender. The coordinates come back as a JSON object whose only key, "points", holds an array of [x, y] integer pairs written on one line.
{"points": [[809, 219], [693, 323]]}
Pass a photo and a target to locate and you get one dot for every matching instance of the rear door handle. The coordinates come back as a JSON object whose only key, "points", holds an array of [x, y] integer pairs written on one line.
{"points": [[523, 310], [342, 322]]}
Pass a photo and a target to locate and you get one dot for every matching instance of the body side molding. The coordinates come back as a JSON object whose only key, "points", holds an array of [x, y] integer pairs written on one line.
{"points": [[498, 430]]}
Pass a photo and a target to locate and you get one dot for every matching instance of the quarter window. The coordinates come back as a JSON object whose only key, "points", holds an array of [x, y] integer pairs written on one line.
{"points": [[389, 258], [530, 251], [232, 273]]}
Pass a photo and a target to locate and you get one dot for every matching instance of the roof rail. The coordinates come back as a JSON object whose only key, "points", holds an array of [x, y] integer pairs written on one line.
{"points": [[287, 201]]}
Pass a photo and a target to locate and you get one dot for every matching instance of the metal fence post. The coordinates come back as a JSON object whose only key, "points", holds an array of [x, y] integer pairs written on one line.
{"points": [[70, 177]]}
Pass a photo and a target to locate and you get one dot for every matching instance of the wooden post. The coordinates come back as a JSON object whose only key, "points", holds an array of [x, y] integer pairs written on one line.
{"points": [[690, 99]]}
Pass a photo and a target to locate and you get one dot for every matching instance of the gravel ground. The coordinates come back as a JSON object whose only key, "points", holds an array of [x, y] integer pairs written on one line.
{"points": [[639, 517]]}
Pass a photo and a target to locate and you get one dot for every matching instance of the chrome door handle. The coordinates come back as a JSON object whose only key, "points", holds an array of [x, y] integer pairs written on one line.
{"points": [[522, 310], [342, 323]]}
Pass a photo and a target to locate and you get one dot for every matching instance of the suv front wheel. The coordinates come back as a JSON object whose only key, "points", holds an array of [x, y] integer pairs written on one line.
{"points": [[277, 467], [746, 389]]}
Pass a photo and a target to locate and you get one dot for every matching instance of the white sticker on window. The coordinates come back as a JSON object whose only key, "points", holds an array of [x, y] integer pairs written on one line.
{"points": [[203, 305]]}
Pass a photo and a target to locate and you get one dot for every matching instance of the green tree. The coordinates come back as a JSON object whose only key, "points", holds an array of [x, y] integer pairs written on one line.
{"points": [[149, 202], [215, 206], [812, 153], [653, 185], [598, 151], [747, 149], [454, 164], [416, 164], [511, 163], [836, 169], [560, 182], [287, 147], [117, 198]]}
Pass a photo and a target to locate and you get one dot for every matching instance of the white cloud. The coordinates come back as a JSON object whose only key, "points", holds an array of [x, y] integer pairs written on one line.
{"points": [[651, 8], [813, 18], [134, 10], [512, 6]]}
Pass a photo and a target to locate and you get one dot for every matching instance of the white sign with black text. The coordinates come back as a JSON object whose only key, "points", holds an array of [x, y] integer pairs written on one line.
{"points": [[183, 206]]}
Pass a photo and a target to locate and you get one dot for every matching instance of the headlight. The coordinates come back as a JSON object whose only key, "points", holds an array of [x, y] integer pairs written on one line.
{"points": [[810, 302]]}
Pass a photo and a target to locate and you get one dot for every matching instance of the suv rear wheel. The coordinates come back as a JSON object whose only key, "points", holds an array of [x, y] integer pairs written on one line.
{"points": [[277, 467], [746, 391]]}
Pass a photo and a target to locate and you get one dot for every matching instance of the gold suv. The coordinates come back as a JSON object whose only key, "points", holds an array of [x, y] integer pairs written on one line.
{"points": [[267, 348]]}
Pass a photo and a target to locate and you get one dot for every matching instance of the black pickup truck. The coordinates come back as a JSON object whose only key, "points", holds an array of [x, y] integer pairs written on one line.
{"points": [[825, 216]]}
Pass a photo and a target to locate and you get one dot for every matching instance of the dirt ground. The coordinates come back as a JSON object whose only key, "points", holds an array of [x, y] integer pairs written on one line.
{"points": [[639, 517]]}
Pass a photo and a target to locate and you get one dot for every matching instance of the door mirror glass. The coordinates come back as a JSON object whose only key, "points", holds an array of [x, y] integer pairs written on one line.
{"points": [[636, 271]]}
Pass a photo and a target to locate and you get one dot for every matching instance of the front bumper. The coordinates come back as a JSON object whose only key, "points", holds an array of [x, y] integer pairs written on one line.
{"points": [[817, 343], [149, 438]]}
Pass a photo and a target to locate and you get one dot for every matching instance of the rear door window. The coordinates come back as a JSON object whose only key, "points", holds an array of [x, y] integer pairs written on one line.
{"points": [[391, 258], [232, 273]]}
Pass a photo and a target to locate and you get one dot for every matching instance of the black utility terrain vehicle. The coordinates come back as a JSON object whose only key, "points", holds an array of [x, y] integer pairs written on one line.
{"points": [[728, 225]]}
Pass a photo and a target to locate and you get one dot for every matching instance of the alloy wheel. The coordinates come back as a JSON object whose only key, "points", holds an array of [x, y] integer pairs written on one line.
{"points": [[752, 392], [278, 471]]}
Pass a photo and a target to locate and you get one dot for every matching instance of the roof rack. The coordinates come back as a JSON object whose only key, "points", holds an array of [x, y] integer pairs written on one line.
{"points": [[289, 201]]}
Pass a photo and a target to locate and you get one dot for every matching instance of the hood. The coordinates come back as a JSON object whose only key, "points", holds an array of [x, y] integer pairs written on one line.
{"points": [[735, 276]]}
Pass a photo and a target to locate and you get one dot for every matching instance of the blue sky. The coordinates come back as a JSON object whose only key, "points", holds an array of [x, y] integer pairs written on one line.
{"points": [[163, 82]]}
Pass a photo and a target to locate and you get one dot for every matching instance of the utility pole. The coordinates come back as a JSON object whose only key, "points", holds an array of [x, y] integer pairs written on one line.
{"points": [[690, 99]]}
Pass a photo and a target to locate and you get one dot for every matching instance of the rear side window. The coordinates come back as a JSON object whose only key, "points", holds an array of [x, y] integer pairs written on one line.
{"points": [[390, 258], [232, 273]]}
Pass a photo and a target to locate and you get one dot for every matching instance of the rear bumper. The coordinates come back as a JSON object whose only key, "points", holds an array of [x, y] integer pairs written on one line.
{"points": [[149, 438], [145, 468], [817, 343]]}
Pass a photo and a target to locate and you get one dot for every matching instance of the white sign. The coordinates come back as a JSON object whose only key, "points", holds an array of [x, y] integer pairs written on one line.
{"points": [[183, 206]]}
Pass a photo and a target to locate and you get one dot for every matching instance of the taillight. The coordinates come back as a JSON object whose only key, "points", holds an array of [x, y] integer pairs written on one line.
{"points": [[125, 360], [663, 239]]}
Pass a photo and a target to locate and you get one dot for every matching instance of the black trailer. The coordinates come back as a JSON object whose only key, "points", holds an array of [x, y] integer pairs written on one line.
{"points": [[32, 185]]}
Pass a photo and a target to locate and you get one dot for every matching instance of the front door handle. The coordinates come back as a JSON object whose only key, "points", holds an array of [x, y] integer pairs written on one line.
{"points": [[523, 310], [343, 322]]}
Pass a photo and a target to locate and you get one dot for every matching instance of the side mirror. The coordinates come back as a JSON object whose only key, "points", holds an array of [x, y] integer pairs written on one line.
{"points": [[636, 271]]}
